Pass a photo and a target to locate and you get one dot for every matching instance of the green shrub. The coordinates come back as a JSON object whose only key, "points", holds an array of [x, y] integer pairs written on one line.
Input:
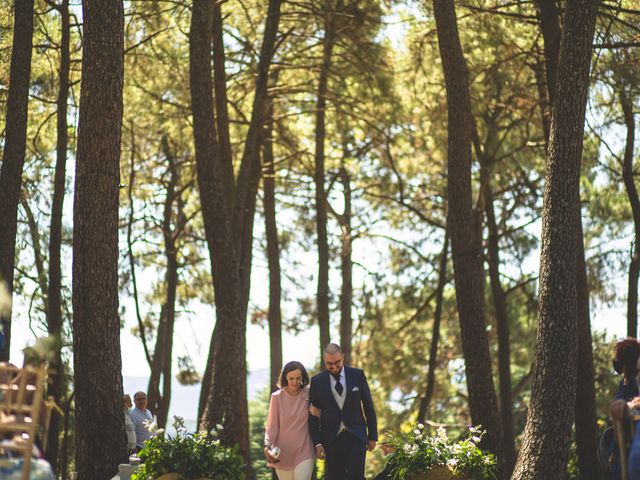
{"points": [[199, 455]]}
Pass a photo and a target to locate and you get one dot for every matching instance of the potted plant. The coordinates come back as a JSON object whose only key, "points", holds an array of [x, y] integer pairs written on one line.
{"points": [[188, 456], [419, 456]]}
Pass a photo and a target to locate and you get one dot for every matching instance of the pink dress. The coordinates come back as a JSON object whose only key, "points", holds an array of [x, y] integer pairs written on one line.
{"points": [[287, 428]]}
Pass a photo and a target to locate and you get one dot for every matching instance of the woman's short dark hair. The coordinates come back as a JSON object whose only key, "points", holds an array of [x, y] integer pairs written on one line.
{"points": [[290, 367], [626, 356]]}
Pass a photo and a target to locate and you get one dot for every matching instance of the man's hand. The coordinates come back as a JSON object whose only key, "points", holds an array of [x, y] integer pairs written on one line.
{"points": [[371, 444], [320, 453], [269, 457]]}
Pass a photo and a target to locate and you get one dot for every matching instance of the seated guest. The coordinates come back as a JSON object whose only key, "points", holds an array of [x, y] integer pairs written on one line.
{"points": [[129, 427], [142, 420]]}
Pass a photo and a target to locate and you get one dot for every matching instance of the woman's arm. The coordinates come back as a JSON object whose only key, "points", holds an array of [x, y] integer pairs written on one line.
{"points": [[273, 422]]}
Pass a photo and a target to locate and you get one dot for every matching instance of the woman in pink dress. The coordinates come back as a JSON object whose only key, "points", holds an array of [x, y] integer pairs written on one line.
{"points": [[287, 443]]}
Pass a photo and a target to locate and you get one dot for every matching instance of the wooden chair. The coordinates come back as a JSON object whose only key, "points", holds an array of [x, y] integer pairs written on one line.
{"points": [[21, 392]]}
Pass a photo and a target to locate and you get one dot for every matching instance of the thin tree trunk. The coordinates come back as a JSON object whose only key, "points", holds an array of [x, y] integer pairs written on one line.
{"points": [[164, 343], [502, 324], [227, 395], [131, 255], [15, 141], [54, 293], [346, 293], [547, 433], [425, 401], [322, 295], [466, 243], [549, 18], [632, 193], [100, 435], [37, 250], [222, 113], [585, 421], [273, 253]]}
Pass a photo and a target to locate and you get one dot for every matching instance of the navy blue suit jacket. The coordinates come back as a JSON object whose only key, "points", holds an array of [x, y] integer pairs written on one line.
{"points": [[358, 414]]}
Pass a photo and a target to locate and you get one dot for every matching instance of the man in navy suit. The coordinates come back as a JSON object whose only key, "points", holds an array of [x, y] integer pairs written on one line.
{"points": [[347, 426]]}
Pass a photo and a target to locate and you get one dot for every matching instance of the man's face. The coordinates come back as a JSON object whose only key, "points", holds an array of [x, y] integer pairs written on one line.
{"points": [[141, 401], [333, 362]]}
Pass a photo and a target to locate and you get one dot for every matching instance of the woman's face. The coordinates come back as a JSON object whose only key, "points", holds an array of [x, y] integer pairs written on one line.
{"points": [[294, 379]]}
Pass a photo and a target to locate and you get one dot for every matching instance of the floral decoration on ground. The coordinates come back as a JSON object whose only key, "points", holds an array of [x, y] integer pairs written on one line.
{"points": [[417, 452], [189, 455]]}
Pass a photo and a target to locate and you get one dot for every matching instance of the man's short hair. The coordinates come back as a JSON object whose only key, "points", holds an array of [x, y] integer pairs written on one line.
{"points": [[137, 394], [332, 349]]}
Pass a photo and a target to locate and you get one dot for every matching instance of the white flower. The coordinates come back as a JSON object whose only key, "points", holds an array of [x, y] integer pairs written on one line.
{"points": [[442, 433], [475, 439], [407, 448], [219, 427], [417, 432], [420, 426], [452, 462], [160, 431]]}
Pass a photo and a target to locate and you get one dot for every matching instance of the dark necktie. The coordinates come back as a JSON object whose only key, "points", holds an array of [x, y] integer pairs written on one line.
{"points": [[339, 387]]}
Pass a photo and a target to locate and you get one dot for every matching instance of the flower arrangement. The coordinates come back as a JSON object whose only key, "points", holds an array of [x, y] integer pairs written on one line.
{"points": [[417, 453], [188, 456]]}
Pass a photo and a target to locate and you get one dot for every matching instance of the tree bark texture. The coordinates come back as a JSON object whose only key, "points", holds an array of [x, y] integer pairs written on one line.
{"points": [[466, 244], [322, 294], [100, 437], [547, 433], [425, 401], [15, 140], [273, 252], [227, 395], [54, 292], [632, 193]]}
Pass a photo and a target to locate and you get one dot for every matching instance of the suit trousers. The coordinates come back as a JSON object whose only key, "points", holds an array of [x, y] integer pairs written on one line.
{"points": [[346, 455]]}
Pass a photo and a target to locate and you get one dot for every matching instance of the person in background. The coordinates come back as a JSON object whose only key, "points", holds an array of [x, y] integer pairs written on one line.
{"points": [[625, 362], [142, 420], [129, 427], [287, 442]]}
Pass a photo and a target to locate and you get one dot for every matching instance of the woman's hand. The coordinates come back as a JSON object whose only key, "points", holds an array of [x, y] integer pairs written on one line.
{"points": [[269, 457], [313, 410]]}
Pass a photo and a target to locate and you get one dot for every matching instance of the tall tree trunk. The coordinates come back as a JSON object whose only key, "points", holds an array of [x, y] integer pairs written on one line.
{"points": [[502, 326], [463, 220], [425, 401], [100, 436], [585, 416], [551, 411], [322, 295], [346, 293], [273, 252], [241, 212], [54, 294], [632, 193], [227, 395], [15, 141]]}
